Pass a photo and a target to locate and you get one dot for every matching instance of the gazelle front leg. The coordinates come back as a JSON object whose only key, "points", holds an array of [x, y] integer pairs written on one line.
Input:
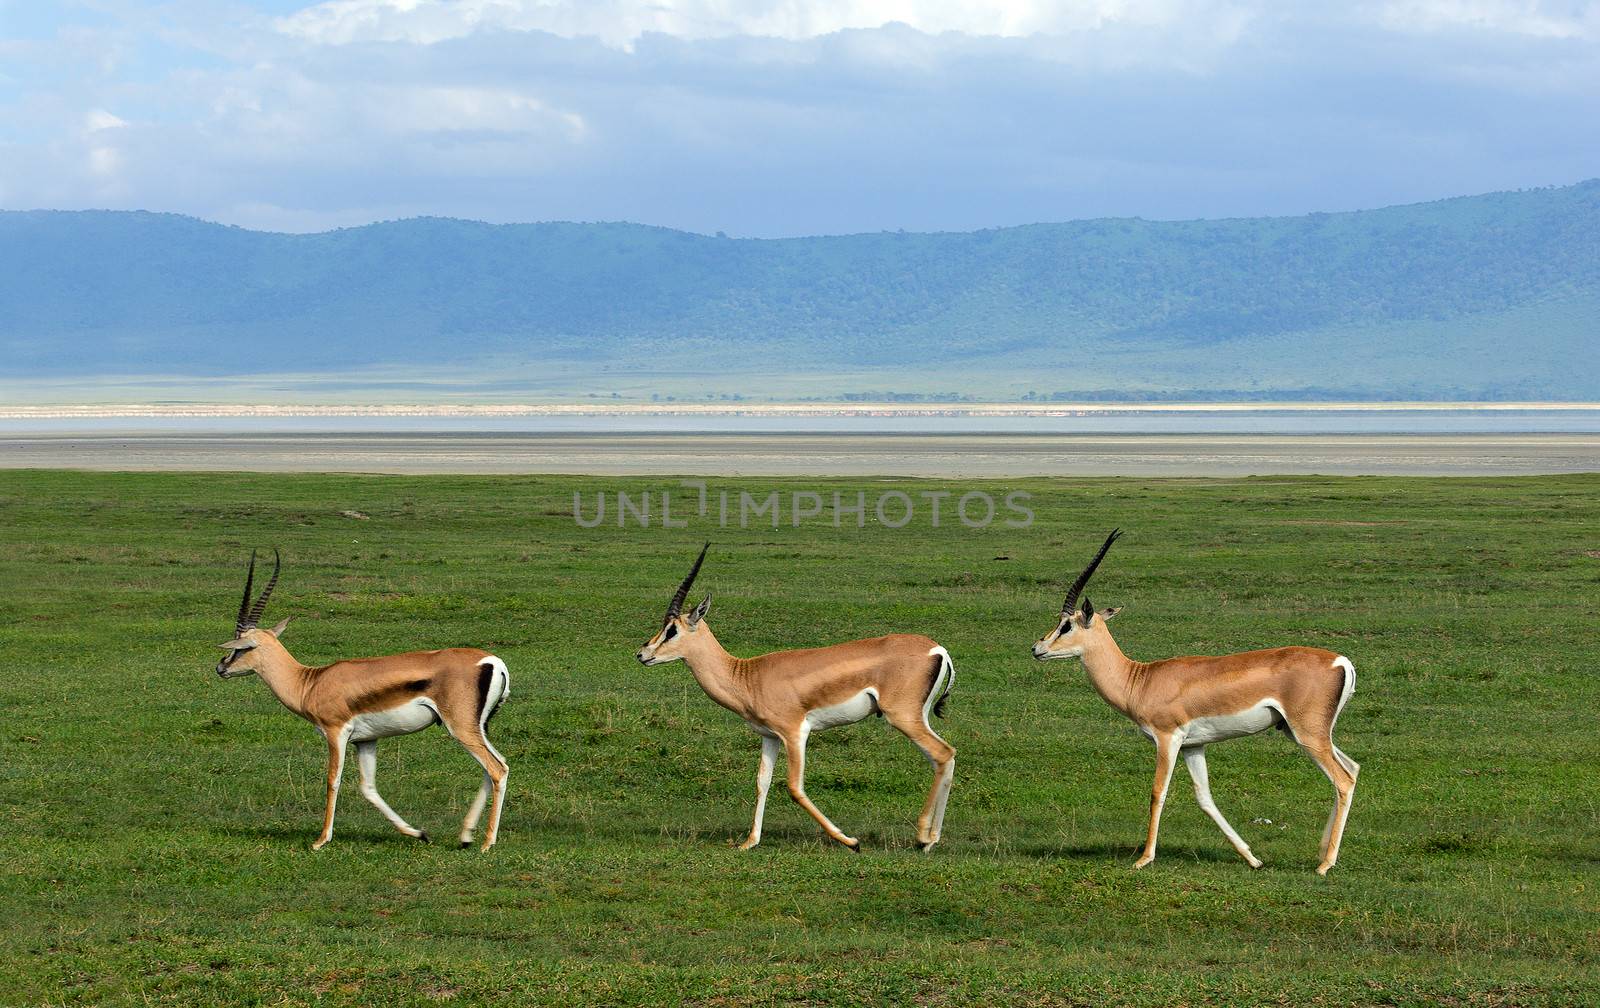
{"points": [[1195, 759], [794, 747], [367, 763], [1166, 759], [769, 757], [336, 742]]}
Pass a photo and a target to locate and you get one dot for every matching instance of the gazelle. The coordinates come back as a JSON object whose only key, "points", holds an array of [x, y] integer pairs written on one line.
{"points": [[787, 695], [362, 700], [1185, 704]]}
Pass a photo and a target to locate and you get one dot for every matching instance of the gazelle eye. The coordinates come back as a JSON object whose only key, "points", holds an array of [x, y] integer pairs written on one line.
{"points": [[672, 631]]}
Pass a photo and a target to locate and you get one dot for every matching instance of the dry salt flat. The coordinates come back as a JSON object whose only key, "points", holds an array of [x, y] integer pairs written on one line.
{"points": [[795, 454]]}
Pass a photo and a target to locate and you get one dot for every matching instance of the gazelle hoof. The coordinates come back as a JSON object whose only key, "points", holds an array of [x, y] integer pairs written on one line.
{"points": [[465, 844], [1142, 862], [853, 844], [1254, 862], [423, 836], [1323, 869], [925, 845]]}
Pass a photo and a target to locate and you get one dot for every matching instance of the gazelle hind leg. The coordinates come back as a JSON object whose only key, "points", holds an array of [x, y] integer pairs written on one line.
{"points": [[367, 761], [941, 690], [944, 797], [1195, 760], [491, 792], [1344, 785], [494, 685], [1333, 833], [943, 757], [795, 755], [492, 834], [475, 810]]}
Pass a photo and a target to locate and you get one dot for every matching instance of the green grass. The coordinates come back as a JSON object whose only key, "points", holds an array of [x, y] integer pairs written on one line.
{"points": [[157, 820]]}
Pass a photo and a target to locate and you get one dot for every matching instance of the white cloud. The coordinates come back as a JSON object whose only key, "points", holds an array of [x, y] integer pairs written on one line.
{"points": [[778, 117], [104, 161], [423, 109], [621, 22], [1559, 20], [100, 119]]}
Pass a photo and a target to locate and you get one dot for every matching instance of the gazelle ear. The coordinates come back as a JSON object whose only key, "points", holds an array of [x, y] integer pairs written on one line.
{"points": [[277, 631], [1106, 614], [238, 644], [1088, 611], [700, 611]]}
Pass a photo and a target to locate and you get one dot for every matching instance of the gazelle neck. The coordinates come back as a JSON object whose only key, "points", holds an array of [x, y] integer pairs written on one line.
{"points": [[1110, 671], [287, 678], [716, 670]]}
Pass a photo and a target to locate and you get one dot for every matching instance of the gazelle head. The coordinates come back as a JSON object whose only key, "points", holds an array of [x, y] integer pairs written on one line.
{"points": [[670, 642], [247, 636], [1077, 626]]}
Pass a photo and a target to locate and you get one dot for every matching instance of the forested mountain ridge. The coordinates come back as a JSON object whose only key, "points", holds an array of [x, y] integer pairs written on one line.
{"points": [[1483, 295]]}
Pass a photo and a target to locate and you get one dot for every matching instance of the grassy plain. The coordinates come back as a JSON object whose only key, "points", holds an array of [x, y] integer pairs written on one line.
{"points": [[156, 820]]}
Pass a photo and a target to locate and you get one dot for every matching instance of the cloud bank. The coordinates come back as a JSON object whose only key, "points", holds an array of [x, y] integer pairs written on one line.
{"points": [[776, 117]]}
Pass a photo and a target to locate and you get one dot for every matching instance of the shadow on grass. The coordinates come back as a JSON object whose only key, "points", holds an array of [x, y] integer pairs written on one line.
{"points": [[1127, 854], [303, 837], [1096, 851]]}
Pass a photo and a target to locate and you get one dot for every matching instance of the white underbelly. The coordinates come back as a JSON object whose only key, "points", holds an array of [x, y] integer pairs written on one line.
{"points": [[402, 720], [1227, 726], [860, 706]]}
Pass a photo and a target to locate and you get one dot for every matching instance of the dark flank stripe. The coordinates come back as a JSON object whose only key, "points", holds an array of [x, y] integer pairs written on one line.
{"points": [[390, 696]]}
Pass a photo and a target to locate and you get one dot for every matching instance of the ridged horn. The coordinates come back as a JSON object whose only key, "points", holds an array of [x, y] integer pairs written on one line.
{"points": [[676, 605], [242, 624], [252, 617], [1071, 604]]}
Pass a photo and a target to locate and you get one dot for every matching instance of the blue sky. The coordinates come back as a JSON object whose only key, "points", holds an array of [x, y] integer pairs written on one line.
{"points": [[781, 117]]}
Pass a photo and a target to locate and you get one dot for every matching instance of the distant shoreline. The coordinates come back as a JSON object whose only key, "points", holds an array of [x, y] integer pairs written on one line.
{"points": [[795, 409], [814, 454]]}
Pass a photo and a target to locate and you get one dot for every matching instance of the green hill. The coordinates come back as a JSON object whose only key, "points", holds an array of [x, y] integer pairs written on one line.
{"points": [[1490, 296]]}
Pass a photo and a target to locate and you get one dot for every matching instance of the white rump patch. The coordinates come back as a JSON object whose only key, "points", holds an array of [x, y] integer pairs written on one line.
{"points": [[1349, 689], [499, 689], [1342, 662], [499, 684]]}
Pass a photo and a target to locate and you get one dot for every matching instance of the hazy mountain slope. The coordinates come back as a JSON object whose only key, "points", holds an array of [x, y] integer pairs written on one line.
{"points": [[1491, 292]]}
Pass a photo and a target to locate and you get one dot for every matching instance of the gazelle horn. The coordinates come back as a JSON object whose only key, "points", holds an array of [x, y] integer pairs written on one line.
{"points": [[1070, 605], [243, 622], [250, 615], [676, 606]]}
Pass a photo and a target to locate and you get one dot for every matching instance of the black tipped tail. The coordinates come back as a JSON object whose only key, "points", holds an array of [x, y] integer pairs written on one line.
{"points": [[942, 666]]}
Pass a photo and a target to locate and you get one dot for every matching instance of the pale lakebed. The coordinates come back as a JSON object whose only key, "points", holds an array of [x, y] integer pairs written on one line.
{"points": [[1127, 443]]}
